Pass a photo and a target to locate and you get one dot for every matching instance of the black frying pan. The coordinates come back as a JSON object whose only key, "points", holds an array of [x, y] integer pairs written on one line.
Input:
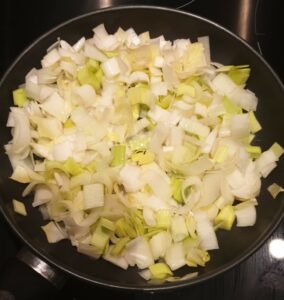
{"points": [[227, 48]]}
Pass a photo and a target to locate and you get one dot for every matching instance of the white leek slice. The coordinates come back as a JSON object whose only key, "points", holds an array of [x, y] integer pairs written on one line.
{"points": [[194, 127], [119, 261], [138, 252], [93, 195], [111, 67], [205, 232], [50, 58], [130, 178], [159, 244], [103, 40], [178, 228], [246, 216]]}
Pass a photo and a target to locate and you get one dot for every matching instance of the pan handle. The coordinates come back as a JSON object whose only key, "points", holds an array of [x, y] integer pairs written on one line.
{"points": [[27, 277]]}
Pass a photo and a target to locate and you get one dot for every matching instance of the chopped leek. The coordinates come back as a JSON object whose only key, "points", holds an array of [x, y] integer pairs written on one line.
{"points": [[90, 74], [119, 246], [163, 219], [277, 149], [221, 154], [19, 97], [254, 124], [274, 189], [19, 207], [178, 228], [93, 195], [160, 271], [239, 74], [143, 158], [137, 149], [231, 107], [176, 185], [225, 218], [118, 154]]}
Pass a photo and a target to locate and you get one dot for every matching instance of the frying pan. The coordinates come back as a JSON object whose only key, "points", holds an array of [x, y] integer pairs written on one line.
{"points": [[235, 246]]}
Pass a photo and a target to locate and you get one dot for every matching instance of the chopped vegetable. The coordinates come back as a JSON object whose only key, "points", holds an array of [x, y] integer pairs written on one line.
{"points": [[118, 154], [93, 195], [19, 207], [239, 74], [176, 185], [225, 218], [274, 189], [246, 216], [53, 232], [137, 149], [19, 97], [160, 271], [163, 219]]}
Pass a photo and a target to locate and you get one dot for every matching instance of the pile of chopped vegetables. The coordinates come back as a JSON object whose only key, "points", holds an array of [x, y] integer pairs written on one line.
{"points": [[138, 149]]}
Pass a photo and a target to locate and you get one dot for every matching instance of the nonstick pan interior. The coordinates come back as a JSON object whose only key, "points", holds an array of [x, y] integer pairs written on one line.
{"points": [[226, 48]]}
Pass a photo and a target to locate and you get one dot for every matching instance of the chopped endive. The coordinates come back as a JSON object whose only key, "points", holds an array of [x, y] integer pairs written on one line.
{"points": [[160, 271], [19, 97], [19, 207], [225, 218], [274, 189]]}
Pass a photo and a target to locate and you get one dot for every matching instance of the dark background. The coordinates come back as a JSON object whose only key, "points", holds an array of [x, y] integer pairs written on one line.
{"points": [[259, 22]]}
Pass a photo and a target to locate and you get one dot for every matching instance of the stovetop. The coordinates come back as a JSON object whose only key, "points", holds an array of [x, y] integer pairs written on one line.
{"points": [[260, 23]]}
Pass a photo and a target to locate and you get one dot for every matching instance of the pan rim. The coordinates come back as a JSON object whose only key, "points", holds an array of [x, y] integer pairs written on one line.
{"points": [[131, 287]]}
